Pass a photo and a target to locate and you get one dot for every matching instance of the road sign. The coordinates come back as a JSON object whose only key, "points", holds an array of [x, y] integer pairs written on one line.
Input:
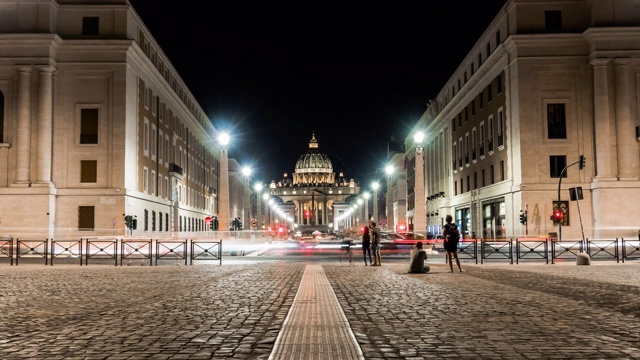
{"points": [[208, 220], [114, 221], [254, 223]]}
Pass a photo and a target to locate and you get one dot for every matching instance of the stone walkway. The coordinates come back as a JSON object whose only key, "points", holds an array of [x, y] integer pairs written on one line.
{"points": [[240, 310]]}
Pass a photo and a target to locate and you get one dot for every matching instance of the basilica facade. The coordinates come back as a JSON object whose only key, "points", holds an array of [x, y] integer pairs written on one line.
{"points": [[313, 195]]}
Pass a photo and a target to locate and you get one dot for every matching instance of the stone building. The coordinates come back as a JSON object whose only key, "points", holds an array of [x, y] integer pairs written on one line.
{"points": [[546, 83], [315, 194], [96, 124]]}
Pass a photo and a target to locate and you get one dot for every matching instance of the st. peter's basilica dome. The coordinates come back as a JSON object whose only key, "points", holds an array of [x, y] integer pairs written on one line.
{"points": [[313, 167]]}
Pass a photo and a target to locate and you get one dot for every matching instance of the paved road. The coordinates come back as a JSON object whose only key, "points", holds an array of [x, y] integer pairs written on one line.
{"points": [[491, 311]]}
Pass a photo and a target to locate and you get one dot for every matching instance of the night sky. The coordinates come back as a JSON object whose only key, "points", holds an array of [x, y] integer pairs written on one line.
{"points": [[355, 72]]}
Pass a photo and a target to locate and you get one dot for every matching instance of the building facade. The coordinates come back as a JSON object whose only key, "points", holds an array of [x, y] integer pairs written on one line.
{"points": [[546, 83], [96, 124]]}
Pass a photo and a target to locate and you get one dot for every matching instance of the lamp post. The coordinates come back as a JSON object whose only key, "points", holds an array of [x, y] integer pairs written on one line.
{"points": [[419, 205], [375, 186], [366, 196], [223, 210], [258, 188], [265, 197], [389, 169], [246, 213]]}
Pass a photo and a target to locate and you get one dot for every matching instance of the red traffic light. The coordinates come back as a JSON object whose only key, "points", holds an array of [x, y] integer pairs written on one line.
{"points": [[307, 214], [558, 215]]}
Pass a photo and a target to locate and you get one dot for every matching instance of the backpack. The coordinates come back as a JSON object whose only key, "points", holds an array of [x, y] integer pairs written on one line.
{"points": [[453, 232]]}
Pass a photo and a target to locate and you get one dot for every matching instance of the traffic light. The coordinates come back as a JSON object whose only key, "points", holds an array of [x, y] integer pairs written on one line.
{"points": [[134, 223], [127, 221], [523, 217], [307, 214], [557, 216], [581, 162]]}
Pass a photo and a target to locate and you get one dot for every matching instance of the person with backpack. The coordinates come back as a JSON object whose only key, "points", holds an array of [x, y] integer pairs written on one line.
{"points": [[451, 238]]}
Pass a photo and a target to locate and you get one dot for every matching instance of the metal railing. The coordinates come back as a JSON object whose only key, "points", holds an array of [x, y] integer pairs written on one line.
{"points": [[630, 249], [532, 249], [603, 249], [109, 251], [492, 249]]}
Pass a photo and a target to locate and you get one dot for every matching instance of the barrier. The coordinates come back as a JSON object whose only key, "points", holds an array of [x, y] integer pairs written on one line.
{"points": [[492, 249], [101, 249], [603, 249], [206, 250], [6, 248], [32, 249], [467, 249], [66, 248], [536, 249], [171, 250], [135, 250], [634, 245], [570, 248]]}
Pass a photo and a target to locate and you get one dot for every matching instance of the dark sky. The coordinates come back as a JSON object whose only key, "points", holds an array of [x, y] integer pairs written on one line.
{"points": [[354, 71]]}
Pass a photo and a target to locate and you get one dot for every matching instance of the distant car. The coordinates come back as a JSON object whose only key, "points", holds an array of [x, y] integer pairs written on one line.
{"points": [[410, 238], [387, 241]]}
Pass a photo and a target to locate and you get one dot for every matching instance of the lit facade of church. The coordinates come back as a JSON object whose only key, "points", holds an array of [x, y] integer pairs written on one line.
{"points": [[314, 196]]}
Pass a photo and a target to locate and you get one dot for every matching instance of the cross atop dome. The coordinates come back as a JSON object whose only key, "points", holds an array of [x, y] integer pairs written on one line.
{"points": [[313, 144]]}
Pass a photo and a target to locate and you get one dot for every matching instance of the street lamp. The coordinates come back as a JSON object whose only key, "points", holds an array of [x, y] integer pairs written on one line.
{"points": [[246, 214], [223, 210], [258, 188], [389, 169], [419, 205], [366, 196], [375, 186]]}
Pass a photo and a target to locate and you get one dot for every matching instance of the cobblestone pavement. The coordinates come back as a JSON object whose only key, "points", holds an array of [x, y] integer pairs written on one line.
{"points": [[492, 311]]}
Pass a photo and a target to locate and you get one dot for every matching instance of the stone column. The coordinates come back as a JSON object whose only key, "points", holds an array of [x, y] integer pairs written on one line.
{"points": [[602, 120], [419, 210], [45, 127], [223, 210], [23, 147], [390, 220], [627, 147]]}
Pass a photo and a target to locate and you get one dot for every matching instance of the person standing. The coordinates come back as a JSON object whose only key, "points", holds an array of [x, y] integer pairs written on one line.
{"points": [[366, 245], [418, 256], [451, 238], [375, 244]]}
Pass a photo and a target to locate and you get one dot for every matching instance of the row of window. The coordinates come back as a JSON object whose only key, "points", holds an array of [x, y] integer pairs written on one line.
{"points": [[171, 79], [158, 222], [557, 163], [471, 147], [484, 177], [471, 107], [454, 90], [552, 23]]}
